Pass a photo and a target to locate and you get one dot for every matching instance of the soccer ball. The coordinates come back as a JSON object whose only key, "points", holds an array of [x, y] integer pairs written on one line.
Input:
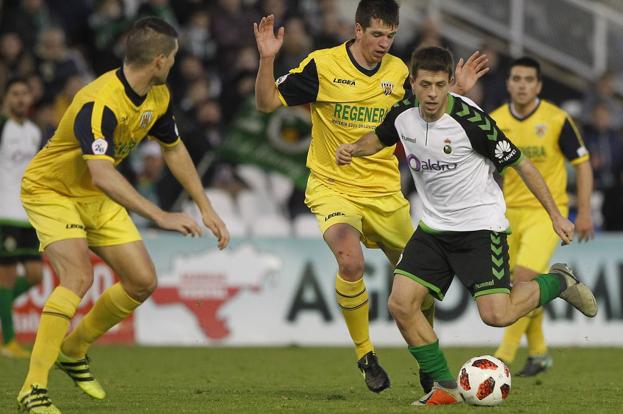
{"points": [[484, 380]]}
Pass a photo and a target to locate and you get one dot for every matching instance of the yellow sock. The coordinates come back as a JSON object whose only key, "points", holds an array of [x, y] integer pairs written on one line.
{"points": [[511, 339], [111, 308], [55, 317], [536, 340], [353, 300]]}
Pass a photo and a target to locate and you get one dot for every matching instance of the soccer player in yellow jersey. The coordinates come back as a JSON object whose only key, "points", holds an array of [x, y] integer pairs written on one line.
{"points": [[350, 88], [548, 136], [76, 200]]}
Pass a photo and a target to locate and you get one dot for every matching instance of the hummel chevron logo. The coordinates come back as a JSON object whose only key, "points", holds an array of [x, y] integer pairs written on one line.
{"points": [[497, 257], [475, 118], [481, 121], [464, 110]]}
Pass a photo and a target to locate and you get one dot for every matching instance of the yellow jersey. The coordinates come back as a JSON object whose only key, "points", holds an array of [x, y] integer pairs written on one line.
{"points": [[347, 102], [547, 136], [105, 120]]}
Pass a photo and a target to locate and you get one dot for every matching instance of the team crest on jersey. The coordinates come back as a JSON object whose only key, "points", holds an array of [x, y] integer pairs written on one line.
{"points": [[145, 119], [447, 148], [540, 130], [388, 87]]}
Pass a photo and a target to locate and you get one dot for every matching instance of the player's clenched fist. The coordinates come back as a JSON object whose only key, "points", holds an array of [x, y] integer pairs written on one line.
{"points": [[344, 154]]}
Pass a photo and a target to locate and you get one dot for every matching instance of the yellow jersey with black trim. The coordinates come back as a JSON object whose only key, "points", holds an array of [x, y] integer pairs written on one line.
{"points": [[105, 120], [547, 136], [347, 102]]}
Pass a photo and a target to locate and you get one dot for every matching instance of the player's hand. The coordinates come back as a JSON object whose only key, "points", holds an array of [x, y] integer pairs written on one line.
{"points": [[217, 227], [344, 154], [267, 43], [467, 73], [584, 227], [563, 228], [180, 222]]}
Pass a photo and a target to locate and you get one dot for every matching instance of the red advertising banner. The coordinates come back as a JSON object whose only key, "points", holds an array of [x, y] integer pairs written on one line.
{"points": [[27, 308]]}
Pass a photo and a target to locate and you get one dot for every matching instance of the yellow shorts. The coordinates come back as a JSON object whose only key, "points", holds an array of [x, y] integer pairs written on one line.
{"points": [[533, 240], [382, 221], [101, 221]]}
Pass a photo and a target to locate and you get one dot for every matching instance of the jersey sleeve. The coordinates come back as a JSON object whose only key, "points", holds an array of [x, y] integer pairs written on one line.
{"points": [[94, 128], [571, 143], [386, 131], [485, 136], [165, 129], [300, 85]]}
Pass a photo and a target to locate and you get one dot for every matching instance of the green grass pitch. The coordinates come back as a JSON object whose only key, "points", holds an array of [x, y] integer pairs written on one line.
{"points": [[309, 380]]}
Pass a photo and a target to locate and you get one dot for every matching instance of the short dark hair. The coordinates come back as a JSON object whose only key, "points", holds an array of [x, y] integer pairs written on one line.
{"points": [[12, 81], [433, 58], [147, 38], [384, 10], [527, 62]]}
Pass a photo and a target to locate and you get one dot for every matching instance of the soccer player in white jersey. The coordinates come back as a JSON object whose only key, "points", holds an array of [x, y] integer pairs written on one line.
{"points": [[453, 149], [20, 139], [350, 88]]}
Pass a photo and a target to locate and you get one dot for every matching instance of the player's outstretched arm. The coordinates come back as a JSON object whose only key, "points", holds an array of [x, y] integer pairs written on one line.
{"points": [[114, 185], [536, 184], [468, 72], [367, 145], [268, 45], [179, 162], [584, 221]]}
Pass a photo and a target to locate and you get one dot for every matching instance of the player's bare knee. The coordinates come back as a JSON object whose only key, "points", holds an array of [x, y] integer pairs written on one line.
{"points": [[351, 268], [400, 308], [79, 283], [142, 288]]}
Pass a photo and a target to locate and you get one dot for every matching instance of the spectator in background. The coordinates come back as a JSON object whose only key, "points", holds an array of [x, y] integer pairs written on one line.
{"points": [[230, 14], [605, 145], [27, 19], [494, 82], [296, 46], [197, 38], [149, 168], [239, 83], [429, 34], [332, 31], [61, 102], [14, 60], [55, 62], [278, 8], [603, 92], [107, 24], [158, 8]]}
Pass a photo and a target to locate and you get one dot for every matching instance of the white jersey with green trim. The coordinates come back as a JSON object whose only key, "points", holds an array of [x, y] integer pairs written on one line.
{"points": [[452, 162], [19, 142]]}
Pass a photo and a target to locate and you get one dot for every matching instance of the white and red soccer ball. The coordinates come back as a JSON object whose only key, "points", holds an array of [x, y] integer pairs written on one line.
{"points": [[484, 380]]}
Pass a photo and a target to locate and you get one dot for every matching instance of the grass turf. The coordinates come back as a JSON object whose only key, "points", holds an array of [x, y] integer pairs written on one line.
{"points": [[308, 380]]}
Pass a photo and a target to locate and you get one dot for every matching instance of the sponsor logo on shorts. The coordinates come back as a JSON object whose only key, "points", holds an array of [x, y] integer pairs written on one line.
{"points": [[74, 226], [330, 216], [484, 284]]}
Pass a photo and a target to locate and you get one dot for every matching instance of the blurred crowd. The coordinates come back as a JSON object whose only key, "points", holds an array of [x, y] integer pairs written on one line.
{"points": [[60, 45]]}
